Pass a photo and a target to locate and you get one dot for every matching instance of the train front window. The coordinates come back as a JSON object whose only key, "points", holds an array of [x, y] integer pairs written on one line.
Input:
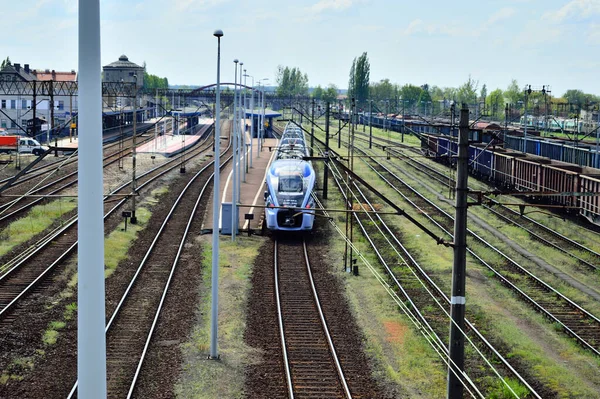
{"points": [[292, 184]]}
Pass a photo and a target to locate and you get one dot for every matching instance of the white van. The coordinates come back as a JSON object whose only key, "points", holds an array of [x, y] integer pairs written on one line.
{"points": [[29, 145]]}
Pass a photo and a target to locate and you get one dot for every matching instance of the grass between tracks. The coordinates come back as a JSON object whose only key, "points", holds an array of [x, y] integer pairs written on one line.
{"points": [[203, 378], [116, 247], [529, 339], [38, 219], [403, 361]]}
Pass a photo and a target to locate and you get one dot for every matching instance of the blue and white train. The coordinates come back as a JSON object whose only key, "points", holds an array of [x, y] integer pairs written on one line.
{"points": [[288, 199]]}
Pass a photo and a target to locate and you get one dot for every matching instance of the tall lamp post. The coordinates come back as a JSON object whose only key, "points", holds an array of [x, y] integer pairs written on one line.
{"points": [[133, 218], [236, 125], [216, 206], [242, 143], [252, 113]]}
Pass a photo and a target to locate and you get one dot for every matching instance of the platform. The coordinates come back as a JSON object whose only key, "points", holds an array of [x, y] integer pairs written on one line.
{"points": [[166, 144], [251, 191]]}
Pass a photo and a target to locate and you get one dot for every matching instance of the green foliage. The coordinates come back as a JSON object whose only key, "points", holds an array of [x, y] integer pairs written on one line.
{"points": [[154, 82], [467, 92], [502, 391], [411, 93], [495, 103], [317, 92], [437, 93], [291, 82], [330, 95], [358, 82], [425, 96], [483, 94], [580, 98], [5, 62], [383, 90], [513, 93]]}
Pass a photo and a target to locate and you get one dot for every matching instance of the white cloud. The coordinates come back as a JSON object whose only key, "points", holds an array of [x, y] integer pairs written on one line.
{"points": [[331, 5], [415, 26], [501, 14], [575, 9]]}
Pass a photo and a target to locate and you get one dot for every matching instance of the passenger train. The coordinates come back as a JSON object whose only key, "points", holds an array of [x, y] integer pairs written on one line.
{"points": [[290, 183]]}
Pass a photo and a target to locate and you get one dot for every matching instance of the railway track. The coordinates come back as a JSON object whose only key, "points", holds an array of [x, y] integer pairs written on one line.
{"points": [[583, 255], [311, 365], [426, 304], [37, 173], [573, 319], [131, 327], [20, 276]]}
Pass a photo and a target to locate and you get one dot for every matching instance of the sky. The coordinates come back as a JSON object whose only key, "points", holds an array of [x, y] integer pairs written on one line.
{"points": [[442, 43]]}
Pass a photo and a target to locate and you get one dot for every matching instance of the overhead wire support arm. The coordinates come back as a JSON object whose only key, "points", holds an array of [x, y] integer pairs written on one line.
{"points": [[399, 211]]}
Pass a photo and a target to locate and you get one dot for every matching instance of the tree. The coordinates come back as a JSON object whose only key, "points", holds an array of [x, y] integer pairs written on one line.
{"points": [[437, 94], [467, 93], [361, 81], [291, 82], [576, 97], [410, 94], [5, 63], [382, 90], [352, 80], [330, 95], [358, 83], [483, 93], [317, 93], [513, 94], [495, 103]]}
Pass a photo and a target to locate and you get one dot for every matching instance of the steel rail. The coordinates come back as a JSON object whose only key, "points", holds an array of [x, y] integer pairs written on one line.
{"points": [[545, 287], [48, 239], [138, 272]]}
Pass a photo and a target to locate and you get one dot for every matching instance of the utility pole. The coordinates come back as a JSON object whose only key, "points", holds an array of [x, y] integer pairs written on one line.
{"points": [[133, 219], [457, 302], [312, 128], [325, 166], [34, 108], [339, 124], [370, 126], [351, 214], [51, 90], [527, 93]]}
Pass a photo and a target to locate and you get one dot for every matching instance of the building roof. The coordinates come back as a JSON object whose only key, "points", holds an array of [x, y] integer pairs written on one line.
{"points": [[56, 76], [123, 62], [23, 74]]}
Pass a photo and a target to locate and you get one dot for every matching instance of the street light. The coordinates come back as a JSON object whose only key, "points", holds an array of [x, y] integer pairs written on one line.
{"points": [[236, 125], [262, 116], [252, 113], [242, 142], [216, 206]]}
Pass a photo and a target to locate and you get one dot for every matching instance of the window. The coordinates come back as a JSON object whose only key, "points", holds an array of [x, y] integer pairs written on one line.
{"points": [[13, 104], [23, 104], [3, 104], [3, 122], [61, 105], [13, 124]]}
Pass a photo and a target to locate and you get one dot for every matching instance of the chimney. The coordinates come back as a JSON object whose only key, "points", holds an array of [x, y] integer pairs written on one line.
{"points": [[17, 67], [26, 68]]}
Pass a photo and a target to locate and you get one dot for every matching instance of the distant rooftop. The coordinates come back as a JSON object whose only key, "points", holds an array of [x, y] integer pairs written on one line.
{"points": [[123, 62], [57, 76]]}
